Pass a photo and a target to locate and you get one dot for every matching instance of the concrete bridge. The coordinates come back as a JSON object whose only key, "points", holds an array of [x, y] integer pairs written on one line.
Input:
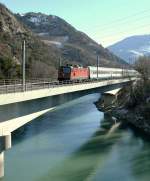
{"points": [[19, 107]]}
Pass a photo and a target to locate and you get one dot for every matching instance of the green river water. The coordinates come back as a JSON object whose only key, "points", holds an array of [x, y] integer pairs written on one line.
{"points": [[76, 143]]}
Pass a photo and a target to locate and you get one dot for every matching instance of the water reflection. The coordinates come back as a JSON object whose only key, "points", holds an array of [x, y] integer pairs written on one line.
{"points": [[82, 164], [141, 163]]}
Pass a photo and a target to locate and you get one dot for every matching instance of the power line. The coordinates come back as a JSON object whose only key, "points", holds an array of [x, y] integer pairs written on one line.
{"points": [[108, 36], [123, 19], [122, 32], [136, 20], [120, 21]]}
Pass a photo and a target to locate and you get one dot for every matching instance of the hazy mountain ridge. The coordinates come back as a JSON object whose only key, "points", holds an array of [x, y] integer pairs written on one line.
{"points": [[132, 47]]}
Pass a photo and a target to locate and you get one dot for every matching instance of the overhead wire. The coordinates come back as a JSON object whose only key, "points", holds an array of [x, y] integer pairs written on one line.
{"points": [[121, 20], [123, 32], [108, 36]]}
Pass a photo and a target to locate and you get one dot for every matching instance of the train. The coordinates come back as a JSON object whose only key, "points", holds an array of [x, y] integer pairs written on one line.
{"points": [[73, 73]]}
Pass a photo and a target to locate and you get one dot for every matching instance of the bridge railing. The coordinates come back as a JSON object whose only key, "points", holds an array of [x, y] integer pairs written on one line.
{"points": [[13, 86], [19, 81]]}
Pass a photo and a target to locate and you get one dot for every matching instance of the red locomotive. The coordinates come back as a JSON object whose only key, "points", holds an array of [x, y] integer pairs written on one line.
{"points": [[72, 73]]}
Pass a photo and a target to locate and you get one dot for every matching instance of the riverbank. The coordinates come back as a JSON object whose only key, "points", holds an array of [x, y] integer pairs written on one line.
{"points": [[132, 106]]}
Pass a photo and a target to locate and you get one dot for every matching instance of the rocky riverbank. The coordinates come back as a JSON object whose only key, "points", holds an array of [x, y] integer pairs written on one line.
{"points": [[132, 106]]}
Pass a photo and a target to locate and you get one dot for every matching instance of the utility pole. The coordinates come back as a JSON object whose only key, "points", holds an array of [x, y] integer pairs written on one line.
{"points": [[97, 64], [23, 65], [60, 62]]}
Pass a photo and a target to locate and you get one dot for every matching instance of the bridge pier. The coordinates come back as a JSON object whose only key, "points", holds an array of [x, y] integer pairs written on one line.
{"points": [[1, 164], [5, 144], [7, 141]]}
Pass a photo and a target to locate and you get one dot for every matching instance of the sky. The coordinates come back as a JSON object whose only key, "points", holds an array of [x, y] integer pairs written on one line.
{"points": [[106, 21]]}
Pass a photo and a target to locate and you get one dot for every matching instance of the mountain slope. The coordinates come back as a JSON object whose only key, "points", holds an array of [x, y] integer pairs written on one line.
{"points": [[131, 48], [47, 39], [73, 44], [41, 59]]}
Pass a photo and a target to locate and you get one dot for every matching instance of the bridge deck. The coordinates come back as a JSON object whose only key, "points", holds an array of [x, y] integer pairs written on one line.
{"points": [[53, 90], [13, 86]]}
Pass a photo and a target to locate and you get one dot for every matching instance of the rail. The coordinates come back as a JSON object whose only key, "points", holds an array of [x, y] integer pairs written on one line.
{"points": [[13, 86]]}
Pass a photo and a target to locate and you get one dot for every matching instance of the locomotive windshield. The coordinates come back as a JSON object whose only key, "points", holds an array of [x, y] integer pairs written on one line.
{"points": [[66, 70]]}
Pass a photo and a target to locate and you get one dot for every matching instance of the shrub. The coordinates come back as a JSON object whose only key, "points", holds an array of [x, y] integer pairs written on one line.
{"points": [[8, 68]]}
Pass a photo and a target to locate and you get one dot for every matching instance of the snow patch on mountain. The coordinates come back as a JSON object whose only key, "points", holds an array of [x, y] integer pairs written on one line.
{"points": [[136, 53], [43, 34], [35, 20], [146, 49], [22, 14], [55, 43], [54, 17], [39, 19]]}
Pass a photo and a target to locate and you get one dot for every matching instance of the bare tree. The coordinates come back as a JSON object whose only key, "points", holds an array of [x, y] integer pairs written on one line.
{"points": [[41, 70], [143, 67]]}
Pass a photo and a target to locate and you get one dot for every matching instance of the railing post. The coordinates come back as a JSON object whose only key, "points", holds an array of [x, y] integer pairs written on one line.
{"points": [[25, 87], [6, 89], [14, 87], [43, 84]]}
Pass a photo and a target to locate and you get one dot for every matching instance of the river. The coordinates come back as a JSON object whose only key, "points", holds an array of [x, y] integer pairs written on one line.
{"points": [[76, 143]]}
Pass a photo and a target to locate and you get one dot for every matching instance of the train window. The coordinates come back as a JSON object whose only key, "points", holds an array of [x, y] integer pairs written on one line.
{"points": [[66, 70]]}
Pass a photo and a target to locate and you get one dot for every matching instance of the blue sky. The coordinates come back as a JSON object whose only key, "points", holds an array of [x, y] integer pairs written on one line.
{"points": [[106, 21]]}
